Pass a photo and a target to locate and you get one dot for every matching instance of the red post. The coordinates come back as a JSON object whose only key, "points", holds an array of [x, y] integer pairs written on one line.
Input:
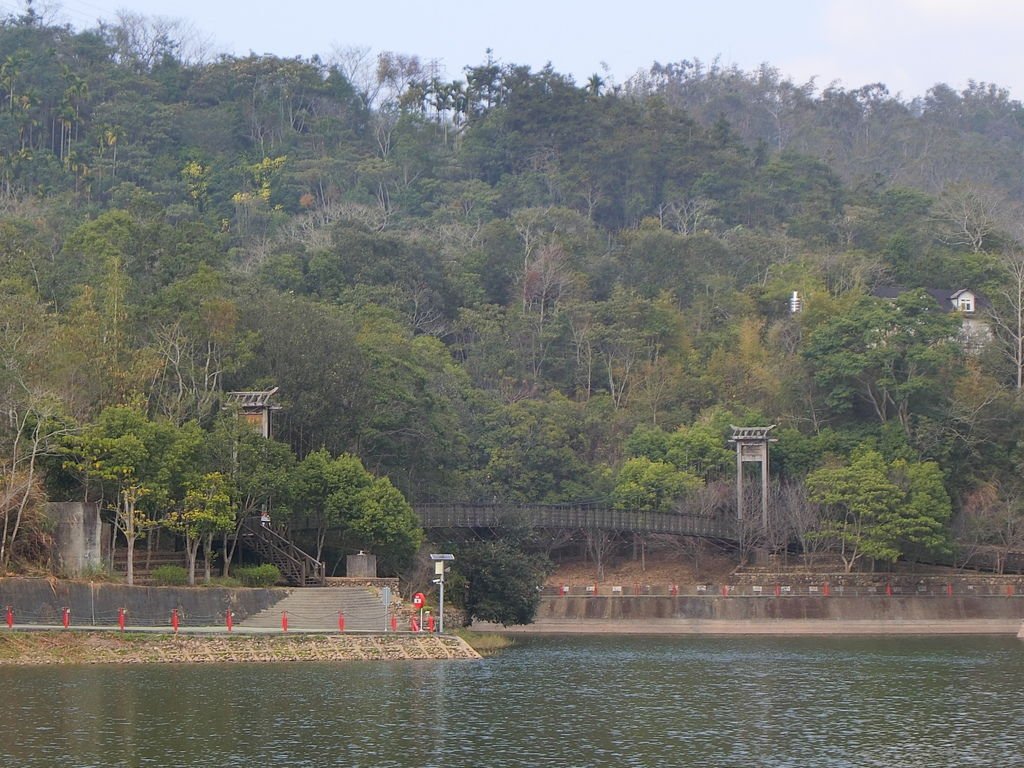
{"points": [[284, 621], [725, 590], [414, 626], [394, 622], [341, 621], [825, 590], [120, 618], [949, 590], [66, 618], [229, 617], [430, 623], [174, 620], [778, 590], [1009, 590], [10, 617], [888, 590]]}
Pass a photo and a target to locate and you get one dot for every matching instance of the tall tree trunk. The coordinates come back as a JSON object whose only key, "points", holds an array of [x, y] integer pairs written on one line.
{"points": [[207, 557], [192, 551]]}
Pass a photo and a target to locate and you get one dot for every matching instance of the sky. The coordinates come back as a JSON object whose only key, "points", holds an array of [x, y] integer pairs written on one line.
{"points": [[909, 45]]}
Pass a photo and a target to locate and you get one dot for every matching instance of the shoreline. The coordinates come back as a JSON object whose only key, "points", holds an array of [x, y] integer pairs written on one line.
{"points": [[40, 647], [794, 627]]}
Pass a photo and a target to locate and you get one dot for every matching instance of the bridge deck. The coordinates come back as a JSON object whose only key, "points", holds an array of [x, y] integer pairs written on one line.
{"points": [[454, 515]]}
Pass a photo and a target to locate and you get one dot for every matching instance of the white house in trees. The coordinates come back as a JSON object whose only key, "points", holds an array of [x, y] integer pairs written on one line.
{"points": [[972, 307]]}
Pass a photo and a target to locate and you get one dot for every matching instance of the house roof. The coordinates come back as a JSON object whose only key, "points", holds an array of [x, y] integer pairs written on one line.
{"points": [[945, 298], [253, 399]]}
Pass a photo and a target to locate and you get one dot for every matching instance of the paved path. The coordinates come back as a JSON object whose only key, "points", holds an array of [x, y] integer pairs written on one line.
{"points": [[238, 629]]}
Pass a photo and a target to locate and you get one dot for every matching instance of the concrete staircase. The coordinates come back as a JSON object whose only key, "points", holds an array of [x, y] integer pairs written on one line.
{"points": [[317, 608]]}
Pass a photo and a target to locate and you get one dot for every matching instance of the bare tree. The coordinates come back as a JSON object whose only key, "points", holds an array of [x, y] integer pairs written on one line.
{"points": [[970, 216], [993, 521], [600, 544], [29, 428], [686, 215], [143, 42], [33, 434], [1007, 311], [358, 65], [799, 517]]}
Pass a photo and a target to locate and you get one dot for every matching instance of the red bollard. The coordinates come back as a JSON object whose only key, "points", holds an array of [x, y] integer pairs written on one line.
{"points": [[430, 623], [229, 617], [1009, 590], [778, 590], [825, 590], [174, 620], [10, 617], [66, 618], [394, 623], [949, 590], [120, 618], [888, 590], [341, 621], [414, 626], [284, 621], [725, 590]]}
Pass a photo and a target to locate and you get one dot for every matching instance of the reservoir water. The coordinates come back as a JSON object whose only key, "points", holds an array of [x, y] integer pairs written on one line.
{"points": [[579, 701]]}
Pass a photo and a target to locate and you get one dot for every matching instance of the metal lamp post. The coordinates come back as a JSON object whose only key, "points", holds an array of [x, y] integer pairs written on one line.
{"points": [[439, 564]]}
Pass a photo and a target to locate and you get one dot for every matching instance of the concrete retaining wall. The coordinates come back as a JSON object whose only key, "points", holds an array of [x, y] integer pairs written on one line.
{"points": [[861, 608], [42, 601]]}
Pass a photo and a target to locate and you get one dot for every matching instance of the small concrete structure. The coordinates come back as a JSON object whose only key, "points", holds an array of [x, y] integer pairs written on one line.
{"points": [[77, 536], [361, 566]]}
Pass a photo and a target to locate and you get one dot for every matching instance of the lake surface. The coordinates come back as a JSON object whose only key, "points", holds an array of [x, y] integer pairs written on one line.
{"points": [[684, 701]]}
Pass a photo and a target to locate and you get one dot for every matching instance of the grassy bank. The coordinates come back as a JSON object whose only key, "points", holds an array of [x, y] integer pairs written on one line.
{"points": [[63, 647], [486, 643]]}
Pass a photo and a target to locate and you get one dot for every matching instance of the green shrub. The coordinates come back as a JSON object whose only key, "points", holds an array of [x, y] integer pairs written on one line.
{"points": [[225, 581], [265, 575], [170, 575], [96, 573]]}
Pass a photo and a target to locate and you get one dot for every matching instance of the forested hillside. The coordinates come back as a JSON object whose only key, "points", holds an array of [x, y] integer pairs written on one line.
{"points": [[504, 286]]}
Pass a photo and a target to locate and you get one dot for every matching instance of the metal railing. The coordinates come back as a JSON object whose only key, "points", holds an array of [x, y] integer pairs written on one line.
{"points": [[297, 567], [782, 590], [585, 516]]}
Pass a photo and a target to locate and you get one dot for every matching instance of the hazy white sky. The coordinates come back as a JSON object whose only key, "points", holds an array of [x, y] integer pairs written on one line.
{"points": [[907, 44]]}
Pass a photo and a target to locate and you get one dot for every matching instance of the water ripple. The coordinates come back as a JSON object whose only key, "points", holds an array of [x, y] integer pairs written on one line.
{"points": [[773, 702]]}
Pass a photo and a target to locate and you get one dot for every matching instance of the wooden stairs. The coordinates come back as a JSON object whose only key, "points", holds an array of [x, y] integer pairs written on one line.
{"points": [[297, 568]]}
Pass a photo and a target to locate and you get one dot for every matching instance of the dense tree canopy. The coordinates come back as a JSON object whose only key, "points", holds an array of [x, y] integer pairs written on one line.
{"points": [[497, 286]]}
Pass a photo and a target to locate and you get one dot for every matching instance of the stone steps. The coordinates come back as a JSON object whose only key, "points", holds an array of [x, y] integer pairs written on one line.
{"points": [[317, 608]]}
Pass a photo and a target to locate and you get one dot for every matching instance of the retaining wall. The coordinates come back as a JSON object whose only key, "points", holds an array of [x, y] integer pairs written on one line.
{"points": [[767, 608], [42, 601]]}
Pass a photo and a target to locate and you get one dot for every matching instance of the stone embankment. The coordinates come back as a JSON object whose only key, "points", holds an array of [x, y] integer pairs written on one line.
{"points": [[60, 622], [99, 647]]}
